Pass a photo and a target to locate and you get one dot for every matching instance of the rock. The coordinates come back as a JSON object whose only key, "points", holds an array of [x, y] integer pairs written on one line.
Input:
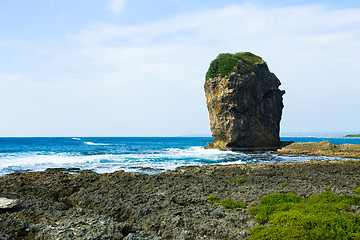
{"points": [[168, 205], [324, 148], [244, 102], [6, 203]]}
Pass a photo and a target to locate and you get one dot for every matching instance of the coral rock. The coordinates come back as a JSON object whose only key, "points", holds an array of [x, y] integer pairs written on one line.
{"points": [[8, 203], [324, 148]]}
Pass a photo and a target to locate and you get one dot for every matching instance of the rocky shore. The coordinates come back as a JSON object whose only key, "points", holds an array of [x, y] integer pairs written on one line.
{"points": [[324, 148], [73, 204]]}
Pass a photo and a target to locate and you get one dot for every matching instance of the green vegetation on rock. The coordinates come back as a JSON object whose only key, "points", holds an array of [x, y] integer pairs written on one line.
{"points": [[240, 180], [323, 216], [357, 191], [227, 63], [227, 203], [353, 135]]}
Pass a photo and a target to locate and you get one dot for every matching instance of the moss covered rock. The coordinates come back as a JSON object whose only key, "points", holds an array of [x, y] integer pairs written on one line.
{"points": [[244, 102], [227, 63], [323, 216]]}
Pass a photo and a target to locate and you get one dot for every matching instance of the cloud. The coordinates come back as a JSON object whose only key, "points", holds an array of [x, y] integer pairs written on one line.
{"points": [[115, 6], [311, 48], [147, 79]]}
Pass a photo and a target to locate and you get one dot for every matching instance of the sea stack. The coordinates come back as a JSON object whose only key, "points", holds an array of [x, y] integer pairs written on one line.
{"points": [[244, 102]]}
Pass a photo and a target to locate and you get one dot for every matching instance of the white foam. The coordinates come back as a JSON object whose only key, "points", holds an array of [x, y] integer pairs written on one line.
{"points": [[96, 144], [232, 163], [201, 152], [169, 159], [77, 139], [33, 159]]}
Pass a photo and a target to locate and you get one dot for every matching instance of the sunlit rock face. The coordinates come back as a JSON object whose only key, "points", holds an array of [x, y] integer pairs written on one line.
{"points": [[244, 102]]}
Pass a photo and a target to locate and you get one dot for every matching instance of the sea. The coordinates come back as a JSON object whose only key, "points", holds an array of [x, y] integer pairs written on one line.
{"points": [[132, 154]]}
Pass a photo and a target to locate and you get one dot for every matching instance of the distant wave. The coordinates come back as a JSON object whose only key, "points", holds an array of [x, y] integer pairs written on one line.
{"points": [[96, 144], [76, 139]]}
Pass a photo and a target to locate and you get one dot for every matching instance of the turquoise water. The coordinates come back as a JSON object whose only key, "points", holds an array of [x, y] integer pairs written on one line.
{"points": [[103, 154]]}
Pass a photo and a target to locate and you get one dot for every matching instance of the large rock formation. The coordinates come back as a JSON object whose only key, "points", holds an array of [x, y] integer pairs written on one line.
{"points": [[244, 102]]}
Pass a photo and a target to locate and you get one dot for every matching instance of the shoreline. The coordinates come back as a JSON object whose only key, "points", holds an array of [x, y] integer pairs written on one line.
{"points": [[324, 148], [167, 205]]}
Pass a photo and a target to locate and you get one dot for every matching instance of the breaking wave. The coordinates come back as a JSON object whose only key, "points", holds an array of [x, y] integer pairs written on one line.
{"points": [[105, 155]]}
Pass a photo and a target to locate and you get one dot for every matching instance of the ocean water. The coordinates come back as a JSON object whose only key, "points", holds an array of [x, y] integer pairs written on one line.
{"points": [[104, 155]]}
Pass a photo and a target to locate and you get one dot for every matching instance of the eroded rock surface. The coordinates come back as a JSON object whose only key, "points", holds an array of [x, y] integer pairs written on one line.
{"points": [[6, 203], [171, 205], [245, 107], [324, 148]]}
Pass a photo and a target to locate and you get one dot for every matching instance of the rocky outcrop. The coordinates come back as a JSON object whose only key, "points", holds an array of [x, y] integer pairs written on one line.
{"points": [[244, 102], [171, 205], [324, 148], [6, 203]]}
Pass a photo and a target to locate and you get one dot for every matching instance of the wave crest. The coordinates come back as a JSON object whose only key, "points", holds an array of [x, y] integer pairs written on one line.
{"points": [[96, 144]]}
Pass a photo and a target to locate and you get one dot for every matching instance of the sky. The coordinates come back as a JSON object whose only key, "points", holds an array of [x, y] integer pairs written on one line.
{"points": [[137, 68]]}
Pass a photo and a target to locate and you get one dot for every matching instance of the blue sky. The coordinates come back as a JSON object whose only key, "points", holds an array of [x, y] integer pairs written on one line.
{"points": [[136, 68]]}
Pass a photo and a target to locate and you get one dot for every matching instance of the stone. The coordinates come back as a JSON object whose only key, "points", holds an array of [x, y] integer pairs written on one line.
{"points": [[324, 148], [168, 205], [244, 103], [6, 203]]}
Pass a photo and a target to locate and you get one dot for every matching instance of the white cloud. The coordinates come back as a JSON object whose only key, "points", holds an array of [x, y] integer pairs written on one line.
{"points": [[115, 6], [148, 79], [311, 49]]}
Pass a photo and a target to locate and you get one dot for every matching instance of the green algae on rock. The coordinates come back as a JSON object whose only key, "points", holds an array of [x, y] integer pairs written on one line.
{"points": [[323, 216], [227, 203], [240, 180]]}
